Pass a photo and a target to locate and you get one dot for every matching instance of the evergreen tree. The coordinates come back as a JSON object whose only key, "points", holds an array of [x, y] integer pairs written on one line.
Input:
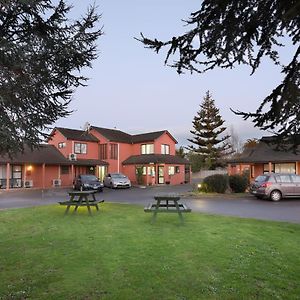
{"points": [[228, 33], [42, 54], [208, 129]]}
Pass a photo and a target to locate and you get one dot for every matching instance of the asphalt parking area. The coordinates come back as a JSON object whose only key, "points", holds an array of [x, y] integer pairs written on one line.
{"points": [[245, 206]]}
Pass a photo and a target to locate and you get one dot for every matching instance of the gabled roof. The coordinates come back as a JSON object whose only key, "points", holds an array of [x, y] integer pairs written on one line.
{"points": [[47, 154], [266, 152], [115, 135], [149, 136], [74, 134], [155, 158]]}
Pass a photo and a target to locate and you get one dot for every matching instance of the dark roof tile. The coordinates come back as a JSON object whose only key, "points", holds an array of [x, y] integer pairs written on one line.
{"points": [[78, 135]]}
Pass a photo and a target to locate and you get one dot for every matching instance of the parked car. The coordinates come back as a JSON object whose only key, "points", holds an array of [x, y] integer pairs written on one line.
{"points": [[276, 186], [117, 180], [87, 182]]}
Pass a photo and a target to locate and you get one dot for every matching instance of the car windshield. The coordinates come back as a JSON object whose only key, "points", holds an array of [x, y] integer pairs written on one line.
{"points": [[261, 178], [118, 175], [89, 178]]}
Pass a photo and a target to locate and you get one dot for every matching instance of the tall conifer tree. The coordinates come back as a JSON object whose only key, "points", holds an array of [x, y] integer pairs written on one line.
{"points": [[208, 139]]}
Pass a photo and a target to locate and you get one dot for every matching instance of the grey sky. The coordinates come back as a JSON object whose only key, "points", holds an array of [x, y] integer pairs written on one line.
{"points": [[132, 90]]}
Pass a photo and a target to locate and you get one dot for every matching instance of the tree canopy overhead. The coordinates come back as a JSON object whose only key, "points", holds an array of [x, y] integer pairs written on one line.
{"points": [[42, 54], [226, 33]]}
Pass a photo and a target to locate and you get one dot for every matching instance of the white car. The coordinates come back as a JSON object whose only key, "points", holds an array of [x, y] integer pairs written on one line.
{"points": [[116, 180]]}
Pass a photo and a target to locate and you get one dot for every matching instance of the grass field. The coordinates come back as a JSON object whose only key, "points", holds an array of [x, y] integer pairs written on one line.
{"points": [[118, 254]]}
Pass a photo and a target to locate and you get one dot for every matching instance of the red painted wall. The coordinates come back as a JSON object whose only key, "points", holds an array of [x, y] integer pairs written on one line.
{"points": [[92, 147]]}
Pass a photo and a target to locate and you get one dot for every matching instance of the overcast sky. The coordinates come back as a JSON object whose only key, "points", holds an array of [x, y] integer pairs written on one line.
{"points": [[132, 90]]}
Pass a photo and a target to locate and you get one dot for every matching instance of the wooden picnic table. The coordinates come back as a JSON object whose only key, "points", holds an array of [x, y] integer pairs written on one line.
{"points": [[81, 198], [167, 203]]}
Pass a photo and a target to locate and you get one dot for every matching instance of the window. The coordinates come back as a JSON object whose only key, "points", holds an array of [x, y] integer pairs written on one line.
{"points": [[61, 145], [80, 148], [64, 170], [296, 178], [177, 169], [266, 168], [103, 151], [283, 178], [147, 148], [113, 151], [285, 168], [165, 149], [171, 170]]}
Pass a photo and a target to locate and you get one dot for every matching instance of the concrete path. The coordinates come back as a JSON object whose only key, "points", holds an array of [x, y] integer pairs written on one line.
{"points": [[245, 207]]}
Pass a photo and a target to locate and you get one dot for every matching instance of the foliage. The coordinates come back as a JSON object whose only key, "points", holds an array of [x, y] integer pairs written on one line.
{"points": [[250, 143], [215, 184], [42, 54], [196, 160], [228, 33], [238, 183], [139, 175], [207, 132], [180, 152], [118, 254]]}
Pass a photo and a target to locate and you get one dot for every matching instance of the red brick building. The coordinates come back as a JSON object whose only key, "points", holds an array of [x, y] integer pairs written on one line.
{"points": [[70, 152]]}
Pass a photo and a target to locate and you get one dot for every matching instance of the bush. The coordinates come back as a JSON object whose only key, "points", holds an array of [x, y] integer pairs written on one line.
{"points": [[215, 184], [238, 183]]}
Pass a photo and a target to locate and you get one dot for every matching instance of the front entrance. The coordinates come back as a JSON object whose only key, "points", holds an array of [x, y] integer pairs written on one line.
{"points": [[187, 174], [102, 171], [16, 176], [160, 173]]}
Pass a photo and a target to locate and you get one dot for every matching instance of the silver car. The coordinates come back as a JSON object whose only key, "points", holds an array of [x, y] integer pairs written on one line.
{"points": [[116, 180], [276, 186]]}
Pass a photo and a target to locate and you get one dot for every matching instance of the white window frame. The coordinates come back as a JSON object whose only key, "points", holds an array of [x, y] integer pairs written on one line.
{"points": [[147, 148], [165, 149], [80, 148]]}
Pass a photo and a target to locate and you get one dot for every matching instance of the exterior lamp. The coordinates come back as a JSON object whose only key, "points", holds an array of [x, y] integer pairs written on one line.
{"points": [[29, 168]]}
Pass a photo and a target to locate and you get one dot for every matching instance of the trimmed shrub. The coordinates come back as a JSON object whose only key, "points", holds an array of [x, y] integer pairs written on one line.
{"points": [[238, 183], [215, 184]]}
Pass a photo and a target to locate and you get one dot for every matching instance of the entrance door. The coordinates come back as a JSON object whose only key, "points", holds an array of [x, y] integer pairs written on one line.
{"points": [[187, 174], [161, 177], [16, 176], [102, 171]]}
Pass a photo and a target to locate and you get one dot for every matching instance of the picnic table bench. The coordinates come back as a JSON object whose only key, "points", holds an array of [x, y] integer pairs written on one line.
{"points": [[81, 198], [168, 203]]}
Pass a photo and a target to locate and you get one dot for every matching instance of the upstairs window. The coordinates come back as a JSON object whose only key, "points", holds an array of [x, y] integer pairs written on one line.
{"points": [[165, 149], [147, 149], [61, 145], [114, 151], [103, 151], [80, 148]]}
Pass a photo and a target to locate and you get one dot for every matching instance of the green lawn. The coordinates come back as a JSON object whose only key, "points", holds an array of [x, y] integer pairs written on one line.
{"points": [[118, 254]]}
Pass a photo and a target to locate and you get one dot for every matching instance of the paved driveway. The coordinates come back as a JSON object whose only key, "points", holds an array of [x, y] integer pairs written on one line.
{"points": [[246, 207]]}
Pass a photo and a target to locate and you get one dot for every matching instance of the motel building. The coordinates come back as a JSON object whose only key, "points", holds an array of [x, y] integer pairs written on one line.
{"points": [[98, 151]]}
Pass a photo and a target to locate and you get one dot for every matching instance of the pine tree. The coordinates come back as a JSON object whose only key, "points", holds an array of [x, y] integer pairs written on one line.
{"points": [[229, 33], [208, 130], [43, 51]]}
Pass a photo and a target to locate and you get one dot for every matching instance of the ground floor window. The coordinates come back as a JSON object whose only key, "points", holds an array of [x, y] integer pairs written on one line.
{"points": [[285, 168], [289, 168], [64, 170], [2, 176], [171, 170]]}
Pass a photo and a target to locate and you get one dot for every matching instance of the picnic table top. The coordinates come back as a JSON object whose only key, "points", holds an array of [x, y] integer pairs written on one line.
{"points": [[170, 196], [82, 192]]}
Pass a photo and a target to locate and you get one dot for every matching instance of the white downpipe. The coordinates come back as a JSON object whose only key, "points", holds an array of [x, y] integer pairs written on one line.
{"points": [[118, 158]]}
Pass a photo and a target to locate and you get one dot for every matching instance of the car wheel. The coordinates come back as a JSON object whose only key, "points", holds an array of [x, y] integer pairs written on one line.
{"points": [[275, 195]]}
